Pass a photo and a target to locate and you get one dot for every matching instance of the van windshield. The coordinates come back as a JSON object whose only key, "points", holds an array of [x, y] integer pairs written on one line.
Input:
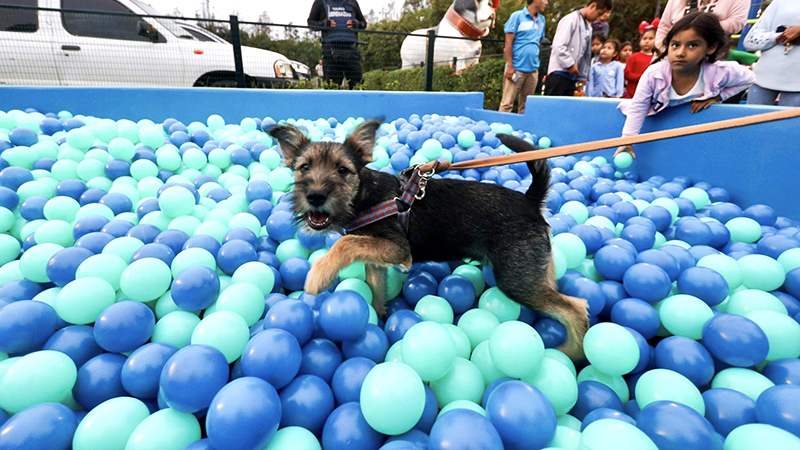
{"points": [[167, 23]]}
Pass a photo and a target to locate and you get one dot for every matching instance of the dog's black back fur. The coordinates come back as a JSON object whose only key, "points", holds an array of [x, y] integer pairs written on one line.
{"points": [[456, 219]]}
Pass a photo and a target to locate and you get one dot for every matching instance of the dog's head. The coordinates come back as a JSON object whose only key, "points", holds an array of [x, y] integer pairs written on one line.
{"points": [[326, 174], [479, 12]]}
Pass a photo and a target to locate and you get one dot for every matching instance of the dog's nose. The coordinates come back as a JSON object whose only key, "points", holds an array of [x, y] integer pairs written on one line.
{"points": [[316, 198]]}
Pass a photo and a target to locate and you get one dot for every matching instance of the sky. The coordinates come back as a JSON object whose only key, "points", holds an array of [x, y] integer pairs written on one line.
{"points": [[280, 11]]}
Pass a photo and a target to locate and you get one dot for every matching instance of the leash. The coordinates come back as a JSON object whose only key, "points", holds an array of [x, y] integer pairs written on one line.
{"points": [[421, 173], [623, 141]]}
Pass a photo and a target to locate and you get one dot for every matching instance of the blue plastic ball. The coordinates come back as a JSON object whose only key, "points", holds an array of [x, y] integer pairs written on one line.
{"points": [[464, 429], [417, 286], [640, 236], [89, 224], [674, 426], [19, 290], [25, 325], [779, 406], [373, 344], [153, 250], [736, 340], [76, 341], [99, 380], [605, 413], [233, 254], [638, 315], [141, 373], [124, 326], [582, 287], [62, 266], [398, 323], [293, 316], [202, 241], [348, 378], [660, 216], [612, 262], [45, 426], [306, 402], [293, 273], [144, 232], [192, 377], [783, 371], [687, 357], [280, 225], [344, 315], [321, 357], [593, 395], [174, 239], [244, 414], [458, 291], [693, 231], [727, 409], [661, 259], [704, 283], [195, 288], [258, 190], [346, 429], [522, 415], [647, 282], [590, 235], [272, 355]]}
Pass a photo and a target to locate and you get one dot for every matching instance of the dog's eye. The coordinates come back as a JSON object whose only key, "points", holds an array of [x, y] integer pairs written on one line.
{"points": [[305, 167], [343, 170]]}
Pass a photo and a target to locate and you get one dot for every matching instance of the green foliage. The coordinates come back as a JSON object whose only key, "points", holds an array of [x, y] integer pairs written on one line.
{"points": [[486, 77]]}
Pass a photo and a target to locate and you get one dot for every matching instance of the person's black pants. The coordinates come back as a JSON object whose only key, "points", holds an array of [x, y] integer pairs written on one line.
{"points": [[341, 60], [560, 86]]}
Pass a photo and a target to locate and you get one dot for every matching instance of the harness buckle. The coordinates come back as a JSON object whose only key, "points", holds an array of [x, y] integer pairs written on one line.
{"points": [[423, 182]]}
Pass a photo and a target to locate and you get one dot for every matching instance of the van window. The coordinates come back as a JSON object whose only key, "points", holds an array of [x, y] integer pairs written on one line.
{"points": [[129, 28], [198, 35], [19, 20]]}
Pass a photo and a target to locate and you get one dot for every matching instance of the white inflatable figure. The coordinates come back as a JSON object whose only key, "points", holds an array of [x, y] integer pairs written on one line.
{"points": [[464, 18]]}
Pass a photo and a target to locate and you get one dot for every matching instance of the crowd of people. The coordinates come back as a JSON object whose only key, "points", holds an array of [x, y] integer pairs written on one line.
{"points": [[680, 58]]}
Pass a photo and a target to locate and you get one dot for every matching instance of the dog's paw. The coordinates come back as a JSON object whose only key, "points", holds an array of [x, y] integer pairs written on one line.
{"points": [[319, 278], [380, 308]]}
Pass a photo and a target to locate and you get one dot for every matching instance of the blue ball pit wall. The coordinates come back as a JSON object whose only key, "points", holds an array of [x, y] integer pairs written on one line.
{"points": [[756, 164]]}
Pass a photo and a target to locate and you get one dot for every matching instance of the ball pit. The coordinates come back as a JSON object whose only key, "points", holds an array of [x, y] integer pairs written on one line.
{"points": [[151, 281]]}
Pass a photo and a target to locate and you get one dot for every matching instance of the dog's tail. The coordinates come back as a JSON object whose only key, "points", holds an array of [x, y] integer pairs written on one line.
{"points": [[540, 170]]}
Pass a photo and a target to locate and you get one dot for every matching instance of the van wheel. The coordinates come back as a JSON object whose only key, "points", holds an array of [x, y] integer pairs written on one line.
{"points": [[226, 83]]}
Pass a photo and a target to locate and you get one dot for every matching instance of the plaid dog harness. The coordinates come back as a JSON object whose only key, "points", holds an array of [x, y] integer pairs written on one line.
{"points": [[414, 190]]}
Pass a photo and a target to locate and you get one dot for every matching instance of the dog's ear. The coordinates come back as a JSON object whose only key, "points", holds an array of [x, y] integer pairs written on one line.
{"points": [[362, 139], [291, 140]]}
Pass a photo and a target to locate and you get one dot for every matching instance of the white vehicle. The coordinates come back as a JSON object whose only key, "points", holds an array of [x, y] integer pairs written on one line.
{"points": [[54, 46], [301, 71]]}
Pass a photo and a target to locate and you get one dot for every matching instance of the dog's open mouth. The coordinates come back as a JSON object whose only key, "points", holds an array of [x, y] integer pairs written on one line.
{"points": [[318, 219]]}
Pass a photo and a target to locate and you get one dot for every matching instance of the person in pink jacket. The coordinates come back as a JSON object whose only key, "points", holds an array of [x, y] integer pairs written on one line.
{"points": [[732, 15], [690, 72]]}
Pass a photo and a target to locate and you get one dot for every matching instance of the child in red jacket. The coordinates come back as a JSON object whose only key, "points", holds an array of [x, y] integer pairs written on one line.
{"points": [[640, 61]]}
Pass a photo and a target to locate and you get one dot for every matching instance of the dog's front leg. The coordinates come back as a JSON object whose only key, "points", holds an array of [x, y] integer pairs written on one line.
{"points": [[376, 279], [377, 251]]}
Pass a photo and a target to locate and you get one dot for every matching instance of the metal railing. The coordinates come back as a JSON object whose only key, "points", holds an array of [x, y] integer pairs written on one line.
{"points": [[136, 46]]}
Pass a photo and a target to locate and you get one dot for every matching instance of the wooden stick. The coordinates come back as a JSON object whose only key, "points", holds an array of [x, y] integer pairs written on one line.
{"points": [[628, 140]]}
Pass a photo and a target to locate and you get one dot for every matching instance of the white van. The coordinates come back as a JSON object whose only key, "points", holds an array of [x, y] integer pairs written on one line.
{"points": [[53, 46]]}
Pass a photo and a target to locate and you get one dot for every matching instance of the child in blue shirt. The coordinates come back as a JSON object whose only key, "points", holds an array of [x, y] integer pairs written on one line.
{"points": [[607, 77]]}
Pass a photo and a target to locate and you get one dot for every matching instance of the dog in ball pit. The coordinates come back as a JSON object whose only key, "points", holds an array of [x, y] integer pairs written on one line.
{"points": [[391, 221]]}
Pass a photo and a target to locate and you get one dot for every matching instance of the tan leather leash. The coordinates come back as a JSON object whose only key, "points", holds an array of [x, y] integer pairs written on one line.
{"points": [[439, 166]]}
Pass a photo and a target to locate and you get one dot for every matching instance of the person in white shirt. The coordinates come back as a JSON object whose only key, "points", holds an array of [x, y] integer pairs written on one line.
{"points": [[777, 36]]}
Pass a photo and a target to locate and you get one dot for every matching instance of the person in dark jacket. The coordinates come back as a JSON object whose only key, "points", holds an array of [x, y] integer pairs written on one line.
{"points": [[340, 57]]}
